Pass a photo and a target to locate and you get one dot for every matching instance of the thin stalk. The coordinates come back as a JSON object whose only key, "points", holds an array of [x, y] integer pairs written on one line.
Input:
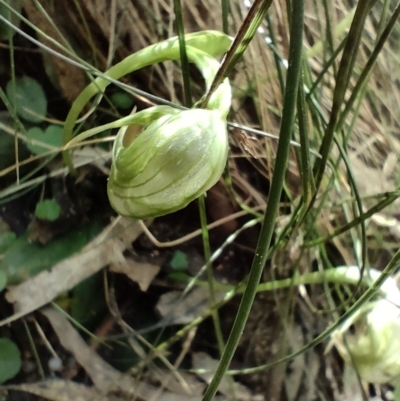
{"points": [[267, 230], [329, 30], [303, 155], [225, 13], [343, 78], [210, 275], [34, 350], [369, 66], [246, 33], [368, 294], [326, 66], [54, 26], [339, 275], [202, 206], [389, 199], [83, 65], [277, 58], [357, 208], [88, 34], [182, 49], [14, 102]]}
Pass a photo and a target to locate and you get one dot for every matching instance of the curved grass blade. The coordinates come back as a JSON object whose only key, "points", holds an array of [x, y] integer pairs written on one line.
{"points": [[343, 78], [243, 38], [388, 200], [303, 155], [369, 65], [225, 12], [182, 48], [365, 297]]}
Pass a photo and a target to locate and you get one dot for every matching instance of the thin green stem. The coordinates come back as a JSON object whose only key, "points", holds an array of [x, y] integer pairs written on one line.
{"points": [[243, 38], [210, 275], [14, 100], [34, 350], [375, 287], [358, 207], [366, 72], [225, 13], [350, 275], [389, 199], [277, 57], [343, 78], [303, 155], [328, 64], [182, 49], [338, 275]]}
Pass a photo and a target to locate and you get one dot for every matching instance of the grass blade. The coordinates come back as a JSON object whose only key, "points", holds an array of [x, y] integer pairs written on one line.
{"points": [[267, 230], [182, 48], [243, 38], [343, 77]]}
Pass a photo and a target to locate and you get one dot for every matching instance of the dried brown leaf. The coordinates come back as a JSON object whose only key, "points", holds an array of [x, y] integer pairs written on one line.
{"points": [[139, 272], [207, 366], [62, 390], [106, 248], [183, 309], [104, 376]]}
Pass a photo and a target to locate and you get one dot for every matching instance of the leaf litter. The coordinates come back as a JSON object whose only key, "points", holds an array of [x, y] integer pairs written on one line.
{"points": [[105, 249], [107, 380]]}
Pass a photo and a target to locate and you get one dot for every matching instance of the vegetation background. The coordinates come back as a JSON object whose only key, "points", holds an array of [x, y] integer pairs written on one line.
{"points": [[338, 205]]}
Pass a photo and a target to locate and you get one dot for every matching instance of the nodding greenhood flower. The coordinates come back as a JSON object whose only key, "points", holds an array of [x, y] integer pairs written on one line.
{"points": [[373, 347], [174, 160], [178, 155]]}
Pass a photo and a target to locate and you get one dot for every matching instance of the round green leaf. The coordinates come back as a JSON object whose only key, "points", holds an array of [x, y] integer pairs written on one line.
{"points": [[29, 99], [122, 100], [179, 261], [6, 240], [39, 139], [10, 359], [48, 209]]}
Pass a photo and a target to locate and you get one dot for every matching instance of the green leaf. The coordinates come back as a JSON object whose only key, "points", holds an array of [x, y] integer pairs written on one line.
{"points": [[122, 100], [48, 209], [5, 31], [179, 261], [51, 137], [88, 302], [3, 280], [6, 240], [29, 99], [10, 359], [397, 393], [24, 259], [179, 276]]}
